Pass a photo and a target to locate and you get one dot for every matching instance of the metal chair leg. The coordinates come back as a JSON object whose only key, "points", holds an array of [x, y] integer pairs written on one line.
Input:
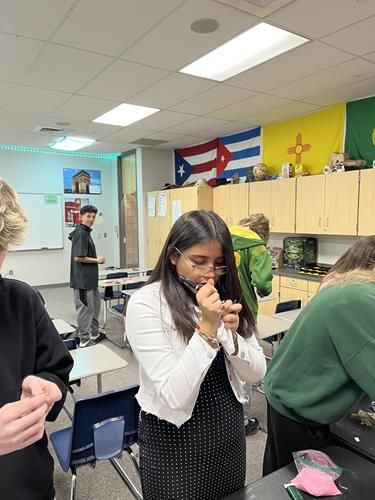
{"points": [[133, 489], [73, 488]]}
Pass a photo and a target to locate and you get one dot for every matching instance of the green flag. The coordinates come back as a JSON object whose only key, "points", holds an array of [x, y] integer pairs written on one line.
{"points": [[360, 130]]}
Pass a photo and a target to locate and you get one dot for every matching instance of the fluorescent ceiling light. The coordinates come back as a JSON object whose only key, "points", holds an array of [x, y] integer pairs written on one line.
{"points": [[125, 114], [70, 143], [253, 47]]}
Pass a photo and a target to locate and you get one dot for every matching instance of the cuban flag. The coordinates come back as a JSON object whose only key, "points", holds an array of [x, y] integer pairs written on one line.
{"points": [[237, 152], [195, 162]]}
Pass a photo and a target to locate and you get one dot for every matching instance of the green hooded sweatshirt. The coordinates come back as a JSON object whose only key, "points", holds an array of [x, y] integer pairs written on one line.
{"points": [[254, 265]]}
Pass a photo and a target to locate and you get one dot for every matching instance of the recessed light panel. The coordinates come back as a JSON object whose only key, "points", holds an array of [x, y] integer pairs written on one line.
{"points": [[125, 114]]}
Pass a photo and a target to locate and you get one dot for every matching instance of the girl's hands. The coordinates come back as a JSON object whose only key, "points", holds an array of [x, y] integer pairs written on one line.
{"points": [[230, 315], [34, 386], [208, 300]]}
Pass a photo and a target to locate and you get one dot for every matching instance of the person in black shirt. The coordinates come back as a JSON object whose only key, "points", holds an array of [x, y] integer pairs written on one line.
{"points": [[34, 373], [84, 277]]}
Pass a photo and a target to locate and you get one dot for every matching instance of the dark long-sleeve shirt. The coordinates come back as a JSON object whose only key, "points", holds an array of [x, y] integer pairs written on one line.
{"points": [[30, 345]]}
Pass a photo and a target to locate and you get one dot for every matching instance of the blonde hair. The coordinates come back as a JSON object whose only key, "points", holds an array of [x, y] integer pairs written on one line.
{"points": [[359, 275], [259, 224], [13, 221]]}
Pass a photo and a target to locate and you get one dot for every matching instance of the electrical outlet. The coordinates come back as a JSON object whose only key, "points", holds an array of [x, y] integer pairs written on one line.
{"points": [[10, 272]]}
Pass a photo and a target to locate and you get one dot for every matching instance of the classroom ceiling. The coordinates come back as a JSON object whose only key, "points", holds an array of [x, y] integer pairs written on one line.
{"points": [[64, 63]]}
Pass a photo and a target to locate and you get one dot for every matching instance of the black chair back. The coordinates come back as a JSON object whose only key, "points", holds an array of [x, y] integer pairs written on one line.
{"points": [[288, 305]]}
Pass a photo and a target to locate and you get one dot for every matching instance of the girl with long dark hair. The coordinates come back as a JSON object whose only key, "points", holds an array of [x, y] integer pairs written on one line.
{"points": [[194, 339]]}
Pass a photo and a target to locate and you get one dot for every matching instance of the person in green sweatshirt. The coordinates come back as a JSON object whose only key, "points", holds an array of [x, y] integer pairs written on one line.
{"points": [[254, 267], [322, 367]]}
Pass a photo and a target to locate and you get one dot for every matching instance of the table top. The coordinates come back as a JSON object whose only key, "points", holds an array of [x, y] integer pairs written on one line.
{"points": [[129, 292], [358, 437], [94, 360], [122, 281], [268, 326], [289, 315], [132, 271], [62, 326], [357, 481]]}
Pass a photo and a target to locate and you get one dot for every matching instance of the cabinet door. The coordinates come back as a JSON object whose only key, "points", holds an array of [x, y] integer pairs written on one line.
{"points": [[239, 202], [341, 203], [221, 202], [189, 198], [260, 198], [283, 206], [292, 294], [164, 219], [152, 229], [268, 306], [366, 219], [310, 204]]}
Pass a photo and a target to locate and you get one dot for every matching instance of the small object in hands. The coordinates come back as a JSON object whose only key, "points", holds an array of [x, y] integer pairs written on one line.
{"points": [[364, 417], [189, 283], [293, 492], [252, 426]]}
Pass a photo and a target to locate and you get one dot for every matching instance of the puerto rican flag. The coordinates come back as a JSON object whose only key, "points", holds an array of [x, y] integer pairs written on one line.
{"points": [[237, 152], [195, 162], [221, 157]]}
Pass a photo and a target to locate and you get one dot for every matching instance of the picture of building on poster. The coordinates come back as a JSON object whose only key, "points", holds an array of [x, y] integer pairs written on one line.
{"points": [[78, 181], [72, 208]]}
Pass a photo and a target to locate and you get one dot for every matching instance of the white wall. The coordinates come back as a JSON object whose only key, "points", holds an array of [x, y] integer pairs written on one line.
{"points": [[43, 173], [330, 248], [155, 167]]}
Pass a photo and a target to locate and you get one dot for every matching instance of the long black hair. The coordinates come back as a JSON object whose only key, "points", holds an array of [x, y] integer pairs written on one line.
{"points": [[194, 228]]}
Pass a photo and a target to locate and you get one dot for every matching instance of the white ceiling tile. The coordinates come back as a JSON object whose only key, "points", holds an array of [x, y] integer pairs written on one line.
{"points": [[6, 90], [164, 136], [196, 125], [16, 55], [122, 80], [24, 138], [297, 63], [358, 39], [370, 57], [256, 104], [252, 8], [319, 17], [84, 108], [185, 141], [171, 90], [36, 18], [346, 73], [364, 88], [13, 120], [64, 68], [213, 99], [96, 130], [103, 147], [177, 45], [114, 24], [163, 120], [283, 112], [35, 100], [126, 135], [225, 129]]}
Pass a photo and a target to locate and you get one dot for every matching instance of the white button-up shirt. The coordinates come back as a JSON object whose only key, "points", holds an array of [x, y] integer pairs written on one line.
{"points": [[171, 371]]}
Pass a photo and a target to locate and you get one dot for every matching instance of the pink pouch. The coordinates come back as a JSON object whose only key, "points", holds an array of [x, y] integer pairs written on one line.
{"points": [[316, 473]]}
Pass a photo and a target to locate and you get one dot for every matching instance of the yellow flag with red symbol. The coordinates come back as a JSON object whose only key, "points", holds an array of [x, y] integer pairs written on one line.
{"points": [[308, 140]]}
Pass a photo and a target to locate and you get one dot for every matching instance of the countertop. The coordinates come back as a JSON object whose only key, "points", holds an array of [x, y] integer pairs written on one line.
{"points": [[292, 273]]}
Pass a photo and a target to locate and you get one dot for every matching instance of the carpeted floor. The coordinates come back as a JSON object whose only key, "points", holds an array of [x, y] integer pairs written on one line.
{"points": [[103, 482]]}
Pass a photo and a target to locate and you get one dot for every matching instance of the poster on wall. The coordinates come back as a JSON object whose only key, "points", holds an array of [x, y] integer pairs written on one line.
{"points": [[72, 206], [78, 181]]}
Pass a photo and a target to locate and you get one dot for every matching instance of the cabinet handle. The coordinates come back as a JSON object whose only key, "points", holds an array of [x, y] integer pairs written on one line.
{"points": [[327, 221], [320, 222]]}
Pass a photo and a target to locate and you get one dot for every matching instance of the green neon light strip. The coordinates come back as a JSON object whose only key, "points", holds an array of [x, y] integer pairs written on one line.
{"points": [[30, 149]]}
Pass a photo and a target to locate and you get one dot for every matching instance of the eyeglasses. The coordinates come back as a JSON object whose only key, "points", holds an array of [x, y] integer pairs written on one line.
{"points": [[202, 269]]}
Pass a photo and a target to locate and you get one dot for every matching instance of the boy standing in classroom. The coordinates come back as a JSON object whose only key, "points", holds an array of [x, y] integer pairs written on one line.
{"points": [[84, 278]]}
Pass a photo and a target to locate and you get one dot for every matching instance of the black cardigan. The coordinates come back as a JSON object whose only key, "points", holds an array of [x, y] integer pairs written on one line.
{"points": [[29, 345]]}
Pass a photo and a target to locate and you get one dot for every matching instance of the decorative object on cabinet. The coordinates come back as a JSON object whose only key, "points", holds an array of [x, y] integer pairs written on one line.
{"points": [[236, 178], [260, 171], [286, 170], [337, 158], [250, 174], [276, 254], [299, 252], [315, 270]]}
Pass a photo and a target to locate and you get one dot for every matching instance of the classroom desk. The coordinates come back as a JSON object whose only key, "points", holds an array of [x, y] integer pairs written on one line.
{"points": [[352, 434], [122, 281], [131, 272], [357, 481], [94, 360], [63, 327], [268, 326], [288, 315]]}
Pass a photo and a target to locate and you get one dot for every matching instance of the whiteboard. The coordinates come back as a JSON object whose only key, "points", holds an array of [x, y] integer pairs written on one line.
{"points": [[45, 221]]}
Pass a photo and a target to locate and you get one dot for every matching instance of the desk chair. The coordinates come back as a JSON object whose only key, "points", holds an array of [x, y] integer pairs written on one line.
{"points": [[72, 344], [103, 426], [110, 294], [288, 305]]}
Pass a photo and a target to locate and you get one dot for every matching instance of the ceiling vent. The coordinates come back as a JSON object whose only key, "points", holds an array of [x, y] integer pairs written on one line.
{"points": [[148, 142], [260, 3], [45, 130]]}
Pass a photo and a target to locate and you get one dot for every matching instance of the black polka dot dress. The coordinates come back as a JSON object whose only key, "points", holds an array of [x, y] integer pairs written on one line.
{"points": [[204, 459]]}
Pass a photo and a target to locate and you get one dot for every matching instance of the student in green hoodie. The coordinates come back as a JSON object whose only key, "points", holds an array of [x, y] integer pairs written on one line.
{"points": [[323, 366], [254, 268]]}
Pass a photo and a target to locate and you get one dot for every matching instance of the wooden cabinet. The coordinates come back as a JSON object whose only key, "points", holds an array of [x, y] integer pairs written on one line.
{"points": [[268, 306], [260, 198], [283, 206], [158, 224], [327, 204], [310, 204], [366, 210], [231, 202], [293, 289], [183, 200]]}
